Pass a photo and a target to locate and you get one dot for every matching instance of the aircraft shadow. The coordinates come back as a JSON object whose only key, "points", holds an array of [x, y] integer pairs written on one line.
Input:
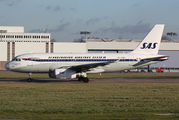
{"points": [[40, 81]]}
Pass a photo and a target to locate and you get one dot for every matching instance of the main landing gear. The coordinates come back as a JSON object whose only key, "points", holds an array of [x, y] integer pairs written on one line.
{"points": [[84, 79], [29, 79]]}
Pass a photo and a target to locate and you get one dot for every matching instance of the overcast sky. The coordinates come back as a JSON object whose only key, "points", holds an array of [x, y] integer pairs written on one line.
{"points": [[64, 19]]}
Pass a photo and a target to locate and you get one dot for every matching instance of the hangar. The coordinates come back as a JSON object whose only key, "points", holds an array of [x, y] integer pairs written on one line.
{"points": [[13, 41]]}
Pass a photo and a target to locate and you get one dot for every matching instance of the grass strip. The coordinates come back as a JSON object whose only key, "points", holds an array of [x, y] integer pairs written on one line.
{"points": [[89, 116], [89, 101]]}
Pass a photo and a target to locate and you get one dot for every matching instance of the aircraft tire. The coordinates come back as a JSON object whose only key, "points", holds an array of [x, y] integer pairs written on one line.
{"points": [[85, 80], [80, 79], [29, 79]]}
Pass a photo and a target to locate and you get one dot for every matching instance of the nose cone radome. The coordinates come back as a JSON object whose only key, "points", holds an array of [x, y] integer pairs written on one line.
{"points": [[7, 66]]}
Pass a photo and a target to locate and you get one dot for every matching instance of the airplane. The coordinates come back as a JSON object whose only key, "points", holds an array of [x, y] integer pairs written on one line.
{"points": [[78, 65]]}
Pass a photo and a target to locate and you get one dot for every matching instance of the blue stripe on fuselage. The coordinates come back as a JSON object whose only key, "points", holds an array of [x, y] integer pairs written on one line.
{"points": [[77, 60]]}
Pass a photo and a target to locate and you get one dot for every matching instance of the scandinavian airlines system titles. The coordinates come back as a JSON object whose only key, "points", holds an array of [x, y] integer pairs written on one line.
{"points": [[77, 57]]}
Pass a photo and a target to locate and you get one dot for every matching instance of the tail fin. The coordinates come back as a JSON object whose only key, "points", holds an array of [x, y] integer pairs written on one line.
{"points": [[151, 43]]}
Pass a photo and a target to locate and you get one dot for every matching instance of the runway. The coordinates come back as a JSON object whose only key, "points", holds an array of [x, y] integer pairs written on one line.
{"points": [[92, 81]]}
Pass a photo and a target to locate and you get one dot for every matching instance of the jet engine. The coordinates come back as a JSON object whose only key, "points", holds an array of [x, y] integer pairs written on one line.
{"points": [[62, 73]]}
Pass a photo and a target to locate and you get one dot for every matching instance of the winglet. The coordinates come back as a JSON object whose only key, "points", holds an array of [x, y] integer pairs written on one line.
{"points": [[151, 43]]}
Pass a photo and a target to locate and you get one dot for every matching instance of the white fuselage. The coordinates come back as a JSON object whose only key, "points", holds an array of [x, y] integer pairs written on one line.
{"points": [[41, 62]]}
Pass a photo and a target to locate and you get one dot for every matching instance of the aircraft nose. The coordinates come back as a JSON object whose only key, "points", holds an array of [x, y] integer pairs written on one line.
{"points": [[7, 66]]}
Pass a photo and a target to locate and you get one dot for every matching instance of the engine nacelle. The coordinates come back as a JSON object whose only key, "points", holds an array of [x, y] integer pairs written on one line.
{"points": [[62, 73]]}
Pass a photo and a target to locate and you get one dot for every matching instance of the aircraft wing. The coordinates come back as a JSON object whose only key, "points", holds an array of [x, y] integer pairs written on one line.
{"points": [[146, 60], [87, 67]]}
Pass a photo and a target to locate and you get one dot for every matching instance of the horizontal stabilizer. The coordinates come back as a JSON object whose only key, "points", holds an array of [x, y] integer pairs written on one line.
{"points": [[155, 58], [147, 60]]}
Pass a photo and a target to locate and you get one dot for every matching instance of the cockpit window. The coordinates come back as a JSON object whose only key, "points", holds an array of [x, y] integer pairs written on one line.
{"points": [[16, 59], [13, 59]]}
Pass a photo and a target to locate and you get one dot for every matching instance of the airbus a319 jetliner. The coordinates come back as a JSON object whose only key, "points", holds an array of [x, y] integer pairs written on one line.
{"points": [[71, 65]]}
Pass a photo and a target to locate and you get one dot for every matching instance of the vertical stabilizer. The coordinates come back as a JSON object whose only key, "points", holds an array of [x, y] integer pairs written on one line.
{"points": [[151, 43]]}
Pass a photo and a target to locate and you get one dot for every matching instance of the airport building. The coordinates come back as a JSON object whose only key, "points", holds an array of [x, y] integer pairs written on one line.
{"points": [[13, 41]]}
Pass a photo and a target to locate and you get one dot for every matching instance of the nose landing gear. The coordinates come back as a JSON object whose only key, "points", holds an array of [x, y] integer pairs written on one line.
{"points": [[29, 79]]}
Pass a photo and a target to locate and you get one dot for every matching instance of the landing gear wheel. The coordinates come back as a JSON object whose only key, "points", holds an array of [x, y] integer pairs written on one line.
{"points": [[85, 80], [80, 79], [29, 79]]}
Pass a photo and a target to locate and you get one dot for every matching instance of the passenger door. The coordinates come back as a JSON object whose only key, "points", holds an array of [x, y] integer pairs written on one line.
{"points": [[30, 61]]}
